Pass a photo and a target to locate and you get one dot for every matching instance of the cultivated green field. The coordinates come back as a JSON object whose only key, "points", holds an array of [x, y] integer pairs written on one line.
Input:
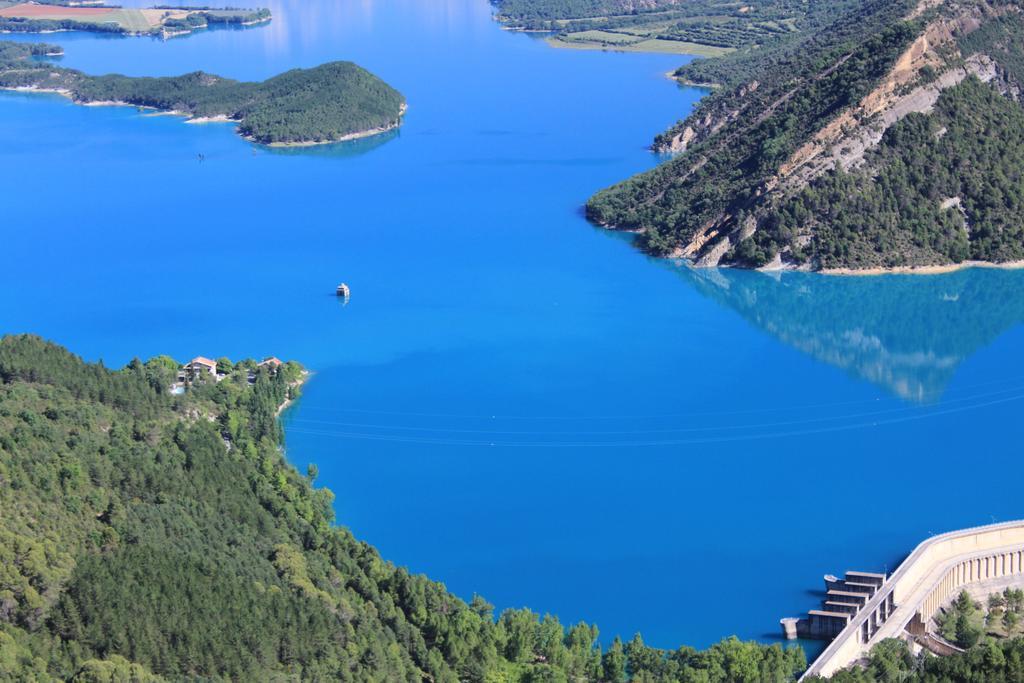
{"points": [[131, 20], [606, 40], [31, 17], [707, 28]]}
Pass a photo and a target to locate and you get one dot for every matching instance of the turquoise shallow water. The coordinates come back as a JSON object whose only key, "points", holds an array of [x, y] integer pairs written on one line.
{"points": [[514, 402]]}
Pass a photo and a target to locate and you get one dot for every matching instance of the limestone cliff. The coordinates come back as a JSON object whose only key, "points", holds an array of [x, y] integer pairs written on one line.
{"points": [[754, 160]]}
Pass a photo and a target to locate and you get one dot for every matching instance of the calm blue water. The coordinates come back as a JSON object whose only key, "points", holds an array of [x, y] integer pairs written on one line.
{"points": [[514, 402]]}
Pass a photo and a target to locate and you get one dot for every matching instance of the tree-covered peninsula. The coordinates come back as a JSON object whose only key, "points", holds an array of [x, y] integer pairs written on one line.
{"points": [[328, 103], [890, 137], [148, 536]]}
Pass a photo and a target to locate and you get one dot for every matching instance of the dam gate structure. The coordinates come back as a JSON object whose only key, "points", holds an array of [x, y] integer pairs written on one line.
{"points": [[864, 608]]}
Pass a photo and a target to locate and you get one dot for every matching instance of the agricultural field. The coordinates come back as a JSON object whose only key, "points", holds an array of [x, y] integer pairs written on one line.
{"points": [[33, 17], [708, 28], [633, 42]]}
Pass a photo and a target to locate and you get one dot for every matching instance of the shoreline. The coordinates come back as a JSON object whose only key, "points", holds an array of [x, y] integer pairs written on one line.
{"points": [[774, 268], [523, 29], [289, 402], [691, 84], [359, 135], [770, 269], [558, 43], [218, 118], [921, 270], [314, 143]]}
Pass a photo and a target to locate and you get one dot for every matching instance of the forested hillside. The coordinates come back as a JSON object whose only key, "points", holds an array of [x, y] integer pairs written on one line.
{"points": [[326, 103], [889, 137], [146, 536], [939, 188], [149, 537], [992, 661]]}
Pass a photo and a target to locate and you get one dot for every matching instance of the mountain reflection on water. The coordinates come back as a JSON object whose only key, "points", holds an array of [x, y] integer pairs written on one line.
{"points": [[906, 333]]}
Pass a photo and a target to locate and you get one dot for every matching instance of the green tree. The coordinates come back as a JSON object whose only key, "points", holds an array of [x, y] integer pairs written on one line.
{"points": [[614, 662]]}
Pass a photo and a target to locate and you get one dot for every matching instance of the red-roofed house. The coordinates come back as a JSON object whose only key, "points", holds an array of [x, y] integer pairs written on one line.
{"points": [[201, 368], [273, 363]]}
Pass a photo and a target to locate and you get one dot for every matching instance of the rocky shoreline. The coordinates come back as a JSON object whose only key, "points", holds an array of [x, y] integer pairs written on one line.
{"points": [[220, 118]]}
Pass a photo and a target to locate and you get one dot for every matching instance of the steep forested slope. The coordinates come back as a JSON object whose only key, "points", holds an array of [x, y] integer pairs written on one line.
{"points": [[145, 536], [939, 188], [890, 137]]}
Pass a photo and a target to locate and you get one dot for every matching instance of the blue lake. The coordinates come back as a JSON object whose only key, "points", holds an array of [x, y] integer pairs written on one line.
{"points": [[514, 402]]}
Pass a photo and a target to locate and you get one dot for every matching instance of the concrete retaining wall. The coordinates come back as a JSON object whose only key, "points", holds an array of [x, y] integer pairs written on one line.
{"points": [[938, 567]]}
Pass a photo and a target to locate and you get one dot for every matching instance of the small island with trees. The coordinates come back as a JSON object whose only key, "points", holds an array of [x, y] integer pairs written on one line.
{"points": [[329, 103], [48, 16]]}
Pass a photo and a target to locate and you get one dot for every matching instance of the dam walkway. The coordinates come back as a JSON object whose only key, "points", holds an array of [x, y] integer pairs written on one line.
{"points": [[905, 602]]}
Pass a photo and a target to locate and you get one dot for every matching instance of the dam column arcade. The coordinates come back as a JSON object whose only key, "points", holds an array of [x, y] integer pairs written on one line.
{"points": [[863, 608]]}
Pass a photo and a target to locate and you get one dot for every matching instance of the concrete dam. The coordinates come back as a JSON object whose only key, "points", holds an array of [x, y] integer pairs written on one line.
{"points": [[864, 608]]}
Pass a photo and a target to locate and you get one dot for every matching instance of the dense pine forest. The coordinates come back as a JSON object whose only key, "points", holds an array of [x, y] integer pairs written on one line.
{"points": [[156, 537], [322, 104], [884, 136], [147, 536]]}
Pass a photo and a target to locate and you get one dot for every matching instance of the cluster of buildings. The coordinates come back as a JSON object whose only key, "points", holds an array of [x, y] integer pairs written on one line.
{"points": [[201, 370]]}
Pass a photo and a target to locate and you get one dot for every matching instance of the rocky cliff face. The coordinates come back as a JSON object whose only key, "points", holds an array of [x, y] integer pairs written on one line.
{"points": [[701, 126], [904, 90], [750, 150]]}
